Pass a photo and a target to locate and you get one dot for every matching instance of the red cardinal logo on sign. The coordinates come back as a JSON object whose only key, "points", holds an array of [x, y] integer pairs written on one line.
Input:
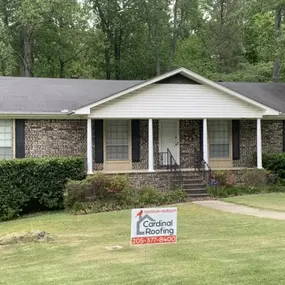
{"points": [[139, 214]]}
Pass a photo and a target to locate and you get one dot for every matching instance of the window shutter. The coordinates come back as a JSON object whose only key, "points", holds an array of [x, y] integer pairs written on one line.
{"points": [[99, 141], [136, 144], [20, 138], [236, 139], [283, 136]]}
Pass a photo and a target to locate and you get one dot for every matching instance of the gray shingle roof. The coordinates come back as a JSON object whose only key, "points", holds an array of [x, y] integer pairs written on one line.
{"points": [[44, 95], [268, 94]]}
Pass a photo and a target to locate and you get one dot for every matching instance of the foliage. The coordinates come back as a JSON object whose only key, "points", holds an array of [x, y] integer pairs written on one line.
{"points": [[33, 184], [100, 193], [253, 181], [237, 190], [275, 163], [229, 40]]}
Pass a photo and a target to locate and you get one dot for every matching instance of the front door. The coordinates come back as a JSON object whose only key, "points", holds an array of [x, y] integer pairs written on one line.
{"points": [[169, 138]]}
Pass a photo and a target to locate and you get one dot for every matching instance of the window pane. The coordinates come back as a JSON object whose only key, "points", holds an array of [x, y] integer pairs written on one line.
{"points": [[117, 140], [117, 152], [6, 139], [219, 139], [6, 153]]}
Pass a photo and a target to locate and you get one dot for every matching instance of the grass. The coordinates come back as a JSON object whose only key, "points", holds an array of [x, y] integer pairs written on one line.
{"points": [[213, 248], [271, 201]]}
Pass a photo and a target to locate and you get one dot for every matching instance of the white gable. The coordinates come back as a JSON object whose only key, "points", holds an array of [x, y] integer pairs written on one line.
{"points": [[177, 101]]}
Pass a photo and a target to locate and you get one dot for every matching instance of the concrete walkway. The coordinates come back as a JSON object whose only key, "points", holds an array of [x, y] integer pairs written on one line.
{"points": [[239, 209]]}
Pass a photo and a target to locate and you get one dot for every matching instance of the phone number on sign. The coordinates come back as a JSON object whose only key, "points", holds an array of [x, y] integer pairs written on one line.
{"points": [[153, 240]]}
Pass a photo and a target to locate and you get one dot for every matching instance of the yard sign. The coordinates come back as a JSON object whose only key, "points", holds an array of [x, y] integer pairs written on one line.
{"points": [[154, 226]]}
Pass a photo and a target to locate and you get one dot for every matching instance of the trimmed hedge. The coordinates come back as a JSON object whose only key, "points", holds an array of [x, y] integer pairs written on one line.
{"points": [[33, 184], [102, 193]]}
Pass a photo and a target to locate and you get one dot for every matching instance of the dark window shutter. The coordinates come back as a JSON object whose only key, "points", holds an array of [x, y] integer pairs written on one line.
{"points": [[20, 138], [236, 139], [136, 144], [99, 141], [283, 136]]}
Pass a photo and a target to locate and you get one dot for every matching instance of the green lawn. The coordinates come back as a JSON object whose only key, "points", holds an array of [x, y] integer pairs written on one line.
{"points": [[272, 201], [213, 248]]}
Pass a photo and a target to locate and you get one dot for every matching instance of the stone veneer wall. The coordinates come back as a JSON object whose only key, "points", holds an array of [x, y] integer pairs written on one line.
{"points": [[189, 142], [272, 141], [163, 180], [272, 136], [55, 138], [247, 144], [68, 138]]}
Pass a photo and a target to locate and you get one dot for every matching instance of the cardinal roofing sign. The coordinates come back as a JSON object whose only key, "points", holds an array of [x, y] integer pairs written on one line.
{"points": [[154, 226]]}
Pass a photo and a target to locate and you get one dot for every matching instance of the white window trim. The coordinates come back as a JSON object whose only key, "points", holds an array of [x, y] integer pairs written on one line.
{"points": [[13, 139]]}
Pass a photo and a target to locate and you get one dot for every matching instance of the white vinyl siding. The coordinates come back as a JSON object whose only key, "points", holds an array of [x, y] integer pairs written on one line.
{"points": [[117, 140], [6, 139], [176, 101]]}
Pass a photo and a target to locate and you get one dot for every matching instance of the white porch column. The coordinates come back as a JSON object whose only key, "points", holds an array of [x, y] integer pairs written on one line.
{"points": [[259, 144], [205, 142], [150, 145], [89, 147]]}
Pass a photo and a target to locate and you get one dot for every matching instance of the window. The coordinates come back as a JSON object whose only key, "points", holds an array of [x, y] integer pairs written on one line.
{"points": [[117, 140], [219, 139], [6, 139]]}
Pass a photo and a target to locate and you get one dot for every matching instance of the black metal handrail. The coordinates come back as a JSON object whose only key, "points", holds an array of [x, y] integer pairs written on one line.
{"points": [[175, 168], [203, 168], [167, 161]]}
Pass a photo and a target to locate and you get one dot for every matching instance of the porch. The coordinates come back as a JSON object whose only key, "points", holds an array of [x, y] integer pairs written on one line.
{"points": [[132, 145]]}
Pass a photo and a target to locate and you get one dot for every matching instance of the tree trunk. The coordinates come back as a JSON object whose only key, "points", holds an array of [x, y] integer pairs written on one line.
{"points": [[107, 63], [5, 13], [174, 36], [26, 52], [117, 52], [157, 65], [61, 68], [276, 65]]}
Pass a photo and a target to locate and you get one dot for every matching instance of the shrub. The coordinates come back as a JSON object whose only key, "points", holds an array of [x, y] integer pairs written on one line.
{"points": [[94, 187], [275, 163], [225, 177], [100, 193], [31, 184]]}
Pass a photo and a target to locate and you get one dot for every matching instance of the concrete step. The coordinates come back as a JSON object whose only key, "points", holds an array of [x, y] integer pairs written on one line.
{"points": [[202, 195], [194, 186], [196, 191], [194, 182]]}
